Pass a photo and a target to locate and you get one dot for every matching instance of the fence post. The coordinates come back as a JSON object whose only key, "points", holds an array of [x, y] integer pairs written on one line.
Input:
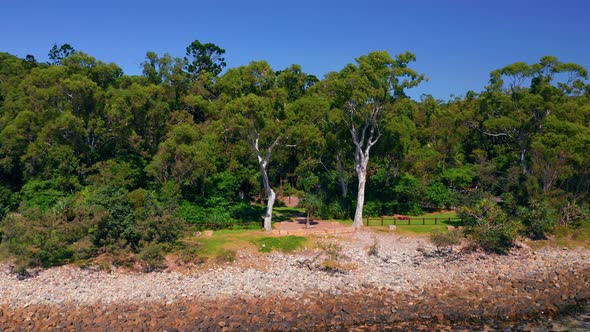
{"points": [[409, 220], [394, 221], [435, 220], [381, 220], [367, 221], [423, 222]]}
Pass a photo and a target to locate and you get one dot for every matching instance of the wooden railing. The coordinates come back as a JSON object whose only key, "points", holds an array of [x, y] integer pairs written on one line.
{"points": [[391, 220]]}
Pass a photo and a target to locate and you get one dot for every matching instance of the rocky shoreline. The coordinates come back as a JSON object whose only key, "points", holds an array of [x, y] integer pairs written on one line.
{"points": [[402, 286]]}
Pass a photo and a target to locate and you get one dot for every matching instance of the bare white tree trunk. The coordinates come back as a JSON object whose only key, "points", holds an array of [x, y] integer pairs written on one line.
{"points": [[360, 199], [270, 193], [361, 155]]}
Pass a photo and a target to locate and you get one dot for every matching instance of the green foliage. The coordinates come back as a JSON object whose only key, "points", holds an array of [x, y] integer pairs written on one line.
{"points": [[284, 244], [372, 209], [152, 256], [39, 195], [438, 195], [409, 192], [218, 216], [537, 218], [118, 224], [489, 226], [312, 204], [94, 160]]}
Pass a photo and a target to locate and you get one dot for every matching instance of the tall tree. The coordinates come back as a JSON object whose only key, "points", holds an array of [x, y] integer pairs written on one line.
{"points": [[364, 92], [514, 114], [257, 114]]}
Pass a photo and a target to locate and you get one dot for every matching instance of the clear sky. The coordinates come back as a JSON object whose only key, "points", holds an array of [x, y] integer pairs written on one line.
{"points": [[457, 42]]}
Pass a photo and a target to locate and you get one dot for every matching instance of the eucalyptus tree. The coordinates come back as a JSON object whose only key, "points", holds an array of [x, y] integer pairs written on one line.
{"points": [[514, 113], [254, 111], [364, 92]]}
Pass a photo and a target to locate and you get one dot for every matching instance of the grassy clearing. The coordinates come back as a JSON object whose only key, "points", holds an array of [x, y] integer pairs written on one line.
{"points": [[284, 244], [226, 240], [225, 243]]}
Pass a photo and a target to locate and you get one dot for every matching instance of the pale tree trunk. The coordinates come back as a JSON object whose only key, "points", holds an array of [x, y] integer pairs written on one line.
{"points": [[360, 200], [361, 156], [270, 193]]}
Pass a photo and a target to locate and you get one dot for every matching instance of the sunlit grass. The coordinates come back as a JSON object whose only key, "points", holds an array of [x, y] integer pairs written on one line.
{"points": [[224, 240], [567, 237], [283, 244]]}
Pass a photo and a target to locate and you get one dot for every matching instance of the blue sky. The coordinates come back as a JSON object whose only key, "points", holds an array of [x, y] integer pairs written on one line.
{"points": [[457, 42]]}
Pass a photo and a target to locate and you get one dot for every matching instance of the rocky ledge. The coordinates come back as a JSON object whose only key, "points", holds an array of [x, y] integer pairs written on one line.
{"points": [[382, 279]]}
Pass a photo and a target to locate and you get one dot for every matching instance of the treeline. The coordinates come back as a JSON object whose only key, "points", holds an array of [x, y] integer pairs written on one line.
{"points": [[92, 159]]}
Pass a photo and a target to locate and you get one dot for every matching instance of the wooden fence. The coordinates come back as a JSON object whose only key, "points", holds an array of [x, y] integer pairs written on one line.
{"points": [[391, 220], [218, 226]]}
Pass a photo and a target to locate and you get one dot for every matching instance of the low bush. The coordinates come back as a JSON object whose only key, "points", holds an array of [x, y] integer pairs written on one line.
{"points": [[446, 240], [372, 209], [537, 219], [195, 214], [152, 256], [489, 227]]}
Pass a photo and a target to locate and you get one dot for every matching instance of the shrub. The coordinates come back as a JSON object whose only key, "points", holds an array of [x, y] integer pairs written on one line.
{"points": [[446, 240], [152, 256], [372, 209], [227, 255], [438, 195], [572, 215], [537, 219], [337, 209], [195, 214], [246, 212], [409, 193], [158, 229], [118, 223], [38, 196], [489, 227]]}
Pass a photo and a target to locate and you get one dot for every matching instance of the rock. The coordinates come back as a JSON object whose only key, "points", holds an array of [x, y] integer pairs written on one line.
{"points": [[392, 227], [208, 233]]}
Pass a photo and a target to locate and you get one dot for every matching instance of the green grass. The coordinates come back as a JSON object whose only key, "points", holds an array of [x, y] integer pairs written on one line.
{"points": [[224, 240], [568, 237], [420, 229], [230, 240], [285, 244]]}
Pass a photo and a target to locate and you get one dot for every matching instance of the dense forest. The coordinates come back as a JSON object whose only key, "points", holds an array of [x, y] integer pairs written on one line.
{"points": [[92, 159]]}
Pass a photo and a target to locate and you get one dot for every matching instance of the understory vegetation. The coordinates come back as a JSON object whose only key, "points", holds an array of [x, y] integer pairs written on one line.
{"points": [[95, 163]]}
